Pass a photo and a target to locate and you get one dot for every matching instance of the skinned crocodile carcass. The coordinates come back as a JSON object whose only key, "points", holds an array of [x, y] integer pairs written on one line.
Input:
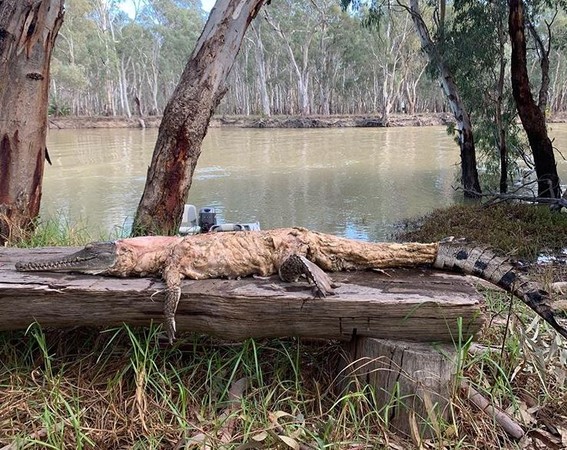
{"points": [[289, 252]]}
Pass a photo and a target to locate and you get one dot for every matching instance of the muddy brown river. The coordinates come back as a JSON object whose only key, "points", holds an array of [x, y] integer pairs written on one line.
{"points": [[354, 182]]}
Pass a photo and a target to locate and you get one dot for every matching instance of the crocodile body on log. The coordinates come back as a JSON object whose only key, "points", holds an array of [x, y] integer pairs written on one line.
{"points": [[289, 252]]}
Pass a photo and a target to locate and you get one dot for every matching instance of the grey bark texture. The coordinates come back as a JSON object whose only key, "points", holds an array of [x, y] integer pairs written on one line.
{"points": [[469, 173]]}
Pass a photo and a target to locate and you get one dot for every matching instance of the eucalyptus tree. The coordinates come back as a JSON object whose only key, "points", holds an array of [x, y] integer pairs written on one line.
{"points": [[86, 56], [261, 70], [278, 74], [558, 69], [136, 49], [354, 85], [469, 172], [303, 33], [433, 51], [106, 59], [27, 35], [70, 67], [103, 14], [328, 56], [482, 73], [390, 48], [340, 73], [187, 115], [175, 26]]}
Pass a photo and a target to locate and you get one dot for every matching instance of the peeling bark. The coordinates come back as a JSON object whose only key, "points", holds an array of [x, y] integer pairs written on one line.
{"points": [[187, 115], [28, 29]]}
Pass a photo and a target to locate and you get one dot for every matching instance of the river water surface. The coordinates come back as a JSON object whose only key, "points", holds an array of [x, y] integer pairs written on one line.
{"points": [[354, 182]]}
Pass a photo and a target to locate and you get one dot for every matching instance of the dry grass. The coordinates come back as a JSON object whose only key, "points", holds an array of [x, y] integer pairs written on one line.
{"points": [[517, 229], [124, 388]]}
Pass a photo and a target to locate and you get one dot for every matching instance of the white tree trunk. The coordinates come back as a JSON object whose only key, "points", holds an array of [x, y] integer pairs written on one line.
{"points": [[259, 54], [301, 73], [124, 90], [471, 185]]}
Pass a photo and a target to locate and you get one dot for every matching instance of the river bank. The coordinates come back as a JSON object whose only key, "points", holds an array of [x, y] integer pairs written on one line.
{"points": [[312, 121]]}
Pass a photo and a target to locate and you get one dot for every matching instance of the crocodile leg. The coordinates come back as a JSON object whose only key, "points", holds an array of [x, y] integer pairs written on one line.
{"points": [[172, 277], [293, 267]]}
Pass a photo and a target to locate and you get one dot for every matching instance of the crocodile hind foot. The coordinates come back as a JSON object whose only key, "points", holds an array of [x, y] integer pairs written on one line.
{"points": [[169, 308], [295, 266]]}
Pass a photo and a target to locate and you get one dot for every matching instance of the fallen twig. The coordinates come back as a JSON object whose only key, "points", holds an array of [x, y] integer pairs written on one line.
{"points": [[504, 420]]}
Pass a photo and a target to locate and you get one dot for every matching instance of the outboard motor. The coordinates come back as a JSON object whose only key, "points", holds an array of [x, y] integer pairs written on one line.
{"points": [[207, 219]]}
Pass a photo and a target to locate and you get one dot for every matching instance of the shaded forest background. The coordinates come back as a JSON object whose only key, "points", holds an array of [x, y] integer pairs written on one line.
{"points": [[300, 57]]}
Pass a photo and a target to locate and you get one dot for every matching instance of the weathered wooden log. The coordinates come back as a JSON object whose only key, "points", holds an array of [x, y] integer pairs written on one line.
{"points": [[415, 305]]}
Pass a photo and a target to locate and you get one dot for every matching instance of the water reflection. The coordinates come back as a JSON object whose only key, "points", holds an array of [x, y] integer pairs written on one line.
{"points": [[350, 182]]}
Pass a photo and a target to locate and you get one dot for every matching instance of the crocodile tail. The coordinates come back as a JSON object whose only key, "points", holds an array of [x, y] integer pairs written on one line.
{"points": [[483, 263]]}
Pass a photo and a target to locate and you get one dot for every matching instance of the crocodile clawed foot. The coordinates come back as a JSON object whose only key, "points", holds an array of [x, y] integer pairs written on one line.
{"points": [[172, 296], [170, 329], [295, 266], [320, 292]]}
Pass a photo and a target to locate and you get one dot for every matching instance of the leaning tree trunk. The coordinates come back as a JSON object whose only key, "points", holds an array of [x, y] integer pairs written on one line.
{"points": [[187, 115], [502, 141], [532, 117], [469, 174], [28, 29]]}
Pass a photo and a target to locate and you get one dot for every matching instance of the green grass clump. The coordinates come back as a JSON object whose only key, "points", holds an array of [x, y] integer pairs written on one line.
{"points": [[518, 229], [57, 231], [51, 233], [126, 388]]}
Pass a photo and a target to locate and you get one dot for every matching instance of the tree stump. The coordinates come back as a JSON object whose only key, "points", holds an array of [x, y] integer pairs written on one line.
{"points": [[413, 381]]}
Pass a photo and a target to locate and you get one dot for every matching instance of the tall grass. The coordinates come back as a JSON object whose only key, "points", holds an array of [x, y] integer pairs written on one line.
{"points": [[86, 389], [124, 388], [58, 231]]}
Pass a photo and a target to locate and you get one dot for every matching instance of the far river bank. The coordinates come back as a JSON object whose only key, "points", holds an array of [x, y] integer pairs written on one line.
{"points": [[218, 121], [353, 182], [312, 121]]}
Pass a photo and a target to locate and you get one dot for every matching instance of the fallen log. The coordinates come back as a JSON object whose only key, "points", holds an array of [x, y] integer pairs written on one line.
{"points": [[407, 304]]}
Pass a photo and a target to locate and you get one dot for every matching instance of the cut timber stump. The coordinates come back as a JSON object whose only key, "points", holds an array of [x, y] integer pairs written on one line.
{"points": [[415, 305], [413, 382]]}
